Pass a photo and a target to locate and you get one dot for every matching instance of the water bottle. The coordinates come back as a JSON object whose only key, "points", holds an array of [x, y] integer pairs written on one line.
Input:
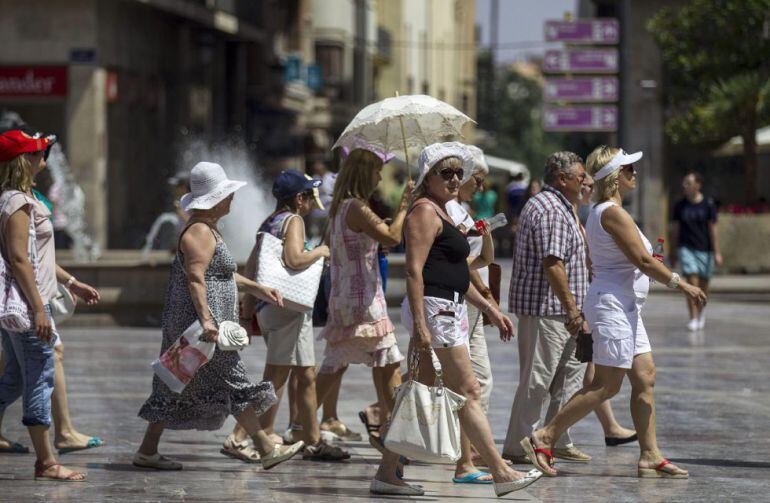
{"points": [[657, 253], [487, 225]]}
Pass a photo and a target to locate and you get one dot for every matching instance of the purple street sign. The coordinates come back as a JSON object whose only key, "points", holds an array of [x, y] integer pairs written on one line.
{"points": [[585, 118], [583, 31], [581, 89], [581, 61]]}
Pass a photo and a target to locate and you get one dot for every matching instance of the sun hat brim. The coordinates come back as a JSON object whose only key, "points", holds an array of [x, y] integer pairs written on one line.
{"points": [[622, 158], [210, 199], [446, 151]]}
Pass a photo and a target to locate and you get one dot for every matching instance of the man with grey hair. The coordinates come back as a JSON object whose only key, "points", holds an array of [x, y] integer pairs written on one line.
{"points": [[548, 285]]}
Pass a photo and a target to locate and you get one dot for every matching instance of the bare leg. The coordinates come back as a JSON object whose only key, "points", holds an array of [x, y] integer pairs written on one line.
{"points": [[277, 374], [248, 421], [605, 385], [151, 438], [386, 379], [458, 376], [604, 412], [694, 280], [65, 434], [293, 393], [642, 377], [44, 454], [327, 392], [704, 285], [306, 405], [4, 442]]}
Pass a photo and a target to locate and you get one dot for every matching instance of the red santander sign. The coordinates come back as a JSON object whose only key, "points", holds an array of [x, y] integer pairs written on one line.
{"points": [[33, 80]]}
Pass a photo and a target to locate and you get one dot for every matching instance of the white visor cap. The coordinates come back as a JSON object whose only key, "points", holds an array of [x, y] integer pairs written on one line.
{"points": [[622, 158]]}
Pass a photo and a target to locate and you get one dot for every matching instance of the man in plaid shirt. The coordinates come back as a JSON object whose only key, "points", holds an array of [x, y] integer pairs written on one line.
{"points": [[548, 285]]}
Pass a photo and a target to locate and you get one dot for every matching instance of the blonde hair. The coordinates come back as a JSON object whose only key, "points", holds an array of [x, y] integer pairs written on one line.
{"points": [[446, 162], [16, 174], [355, 179], [607, 186]]}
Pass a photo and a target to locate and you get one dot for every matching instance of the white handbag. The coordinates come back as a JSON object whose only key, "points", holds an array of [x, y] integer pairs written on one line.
{"points": [[15, 312], [298, 288], [424, 424], [63, 305]]}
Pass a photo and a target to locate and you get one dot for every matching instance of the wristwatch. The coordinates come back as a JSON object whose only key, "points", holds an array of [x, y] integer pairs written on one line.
{"points": [[674, 281]]}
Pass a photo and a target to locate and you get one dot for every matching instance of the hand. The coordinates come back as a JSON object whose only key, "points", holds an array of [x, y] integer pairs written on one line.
{"points": [[324, 251], [87, 293], [693, 293], [503, 324], [42, 326], [270, 295], [718, 259], [422, 338], [575, 322], [210, 332], [406, 197]]}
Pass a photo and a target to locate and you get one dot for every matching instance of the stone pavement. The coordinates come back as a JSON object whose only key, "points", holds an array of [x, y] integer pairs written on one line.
{"points": [[713, 397]]}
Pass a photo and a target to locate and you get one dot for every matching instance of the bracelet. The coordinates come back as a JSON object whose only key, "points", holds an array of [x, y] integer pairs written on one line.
{"points": [[673, 283], [70, 281]]}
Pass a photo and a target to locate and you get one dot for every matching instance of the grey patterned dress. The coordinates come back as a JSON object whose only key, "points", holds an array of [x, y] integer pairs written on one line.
{"points": [[221, 387]]}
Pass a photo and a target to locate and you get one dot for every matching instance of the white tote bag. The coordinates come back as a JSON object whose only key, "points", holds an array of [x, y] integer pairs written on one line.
{"points": [[424, 424], [15, 312], [298, 288]]}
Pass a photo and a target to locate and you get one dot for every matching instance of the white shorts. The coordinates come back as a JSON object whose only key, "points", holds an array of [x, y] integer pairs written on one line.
{"points": [[447, 321], [616, 323]]}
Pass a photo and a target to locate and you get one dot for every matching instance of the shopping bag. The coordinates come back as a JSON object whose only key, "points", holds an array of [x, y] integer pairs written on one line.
{"points": [[177, 366]]}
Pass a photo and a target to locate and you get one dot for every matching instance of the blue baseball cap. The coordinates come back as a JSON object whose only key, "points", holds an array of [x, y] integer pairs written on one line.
{"points": [[291, 182]]}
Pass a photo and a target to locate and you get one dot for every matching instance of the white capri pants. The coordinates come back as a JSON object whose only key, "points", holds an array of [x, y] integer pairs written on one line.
{"points": [[618, 331]]}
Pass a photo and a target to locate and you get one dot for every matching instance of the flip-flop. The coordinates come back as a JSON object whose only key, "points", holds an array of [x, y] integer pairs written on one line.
{"points": [[473, 478], [531, 451], [660, 472], [93, 442], [15, 448]]}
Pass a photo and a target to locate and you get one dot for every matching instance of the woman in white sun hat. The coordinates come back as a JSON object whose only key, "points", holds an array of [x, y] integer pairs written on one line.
{"points": [[622, 265], [204, 286], [437, 283]]}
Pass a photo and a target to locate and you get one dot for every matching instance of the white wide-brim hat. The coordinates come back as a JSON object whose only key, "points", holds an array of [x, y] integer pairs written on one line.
{"points": [[622, 158], [435, 152], [479, 161], [209, 185]]}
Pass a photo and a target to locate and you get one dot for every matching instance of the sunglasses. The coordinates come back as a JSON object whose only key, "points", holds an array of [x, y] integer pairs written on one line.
{"points": [[448, 173], [630, 169], [479, 181]]}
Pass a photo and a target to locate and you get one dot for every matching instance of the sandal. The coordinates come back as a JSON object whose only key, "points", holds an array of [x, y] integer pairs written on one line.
{"points": [[93, 442], [14, 448], [339, 431], [40, 468], [371, 428], [528, 444], [674, 472], [241, 451]]}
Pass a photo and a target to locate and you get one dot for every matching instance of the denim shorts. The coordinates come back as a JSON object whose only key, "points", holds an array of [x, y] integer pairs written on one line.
{"points": [[696, 262], [29, 374]]}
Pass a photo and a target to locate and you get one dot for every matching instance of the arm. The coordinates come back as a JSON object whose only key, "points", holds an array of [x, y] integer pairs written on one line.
{"points": [[294, 254], [715, 242], [249, 302], [618, 223], [86, 292], [502, 322], [556, 275], [421, 231], [17, 236], [361, 218], [198, 246], [487, 254]]}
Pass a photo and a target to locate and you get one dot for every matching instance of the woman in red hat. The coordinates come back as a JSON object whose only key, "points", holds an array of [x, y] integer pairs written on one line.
{"points": [[29, 354]]}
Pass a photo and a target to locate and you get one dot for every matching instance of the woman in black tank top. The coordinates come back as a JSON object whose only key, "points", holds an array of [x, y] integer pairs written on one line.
{"points": [[437, 286]]}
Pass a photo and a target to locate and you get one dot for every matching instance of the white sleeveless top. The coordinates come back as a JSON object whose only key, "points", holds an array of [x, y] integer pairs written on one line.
{"points": [[612, 271]]}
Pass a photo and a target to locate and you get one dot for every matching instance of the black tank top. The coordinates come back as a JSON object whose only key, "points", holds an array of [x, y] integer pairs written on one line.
{"points": [[447, 266]]}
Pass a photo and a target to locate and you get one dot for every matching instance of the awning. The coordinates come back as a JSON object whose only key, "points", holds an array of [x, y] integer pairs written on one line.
{"points": [[734, 146], [507, 165]]}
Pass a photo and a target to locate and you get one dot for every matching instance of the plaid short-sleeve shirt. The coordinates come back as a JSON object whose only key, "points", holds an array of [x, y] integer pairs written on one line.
{"points": [[547, 226]]}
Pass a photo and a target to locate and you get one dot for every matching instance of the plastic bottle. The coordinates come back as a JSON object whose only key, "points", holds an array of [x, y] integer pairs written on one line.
{"points": [[487, 225], [657, 253]]}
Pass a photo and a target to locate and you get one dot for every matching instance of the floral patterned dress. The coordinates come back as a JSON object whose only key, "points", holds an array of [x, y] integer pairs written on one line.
{"points": [[358, 329], [221, 387]]}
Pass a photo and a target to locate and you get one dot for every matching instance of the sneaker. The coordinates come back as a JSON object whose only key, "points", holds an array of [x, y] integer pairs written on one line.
{"points": [[280, 454], [324, 452], [340, 431], [571, 453], [701, 321], [692, 325]]}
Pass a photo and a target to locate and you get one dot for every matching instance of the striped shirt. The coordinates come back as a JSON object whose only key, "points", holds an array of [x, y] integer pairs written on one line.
{"points": [[547, 227]]}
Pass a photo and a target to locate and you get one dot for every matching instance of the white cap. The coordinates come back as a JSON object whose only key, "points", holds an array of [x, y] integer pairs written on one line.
{"points": [[209, 185], [435, 152], [479, 162], [622, 158]]}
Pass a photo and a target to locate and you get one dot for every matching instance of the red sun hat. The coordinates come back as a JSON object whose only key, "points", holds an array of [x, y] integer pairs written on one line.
{"points": [[14, 143]]}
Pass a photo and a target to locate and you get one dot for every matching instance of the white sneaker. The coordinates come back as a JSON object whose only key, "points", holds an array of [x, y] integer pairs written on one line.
{"points": [[693, 325], [701, 321]]}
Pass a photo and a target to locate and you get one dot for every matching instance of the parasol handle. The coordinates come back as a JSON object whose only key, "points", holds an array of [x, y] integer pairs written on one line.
{"points": [[406, 152]]}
